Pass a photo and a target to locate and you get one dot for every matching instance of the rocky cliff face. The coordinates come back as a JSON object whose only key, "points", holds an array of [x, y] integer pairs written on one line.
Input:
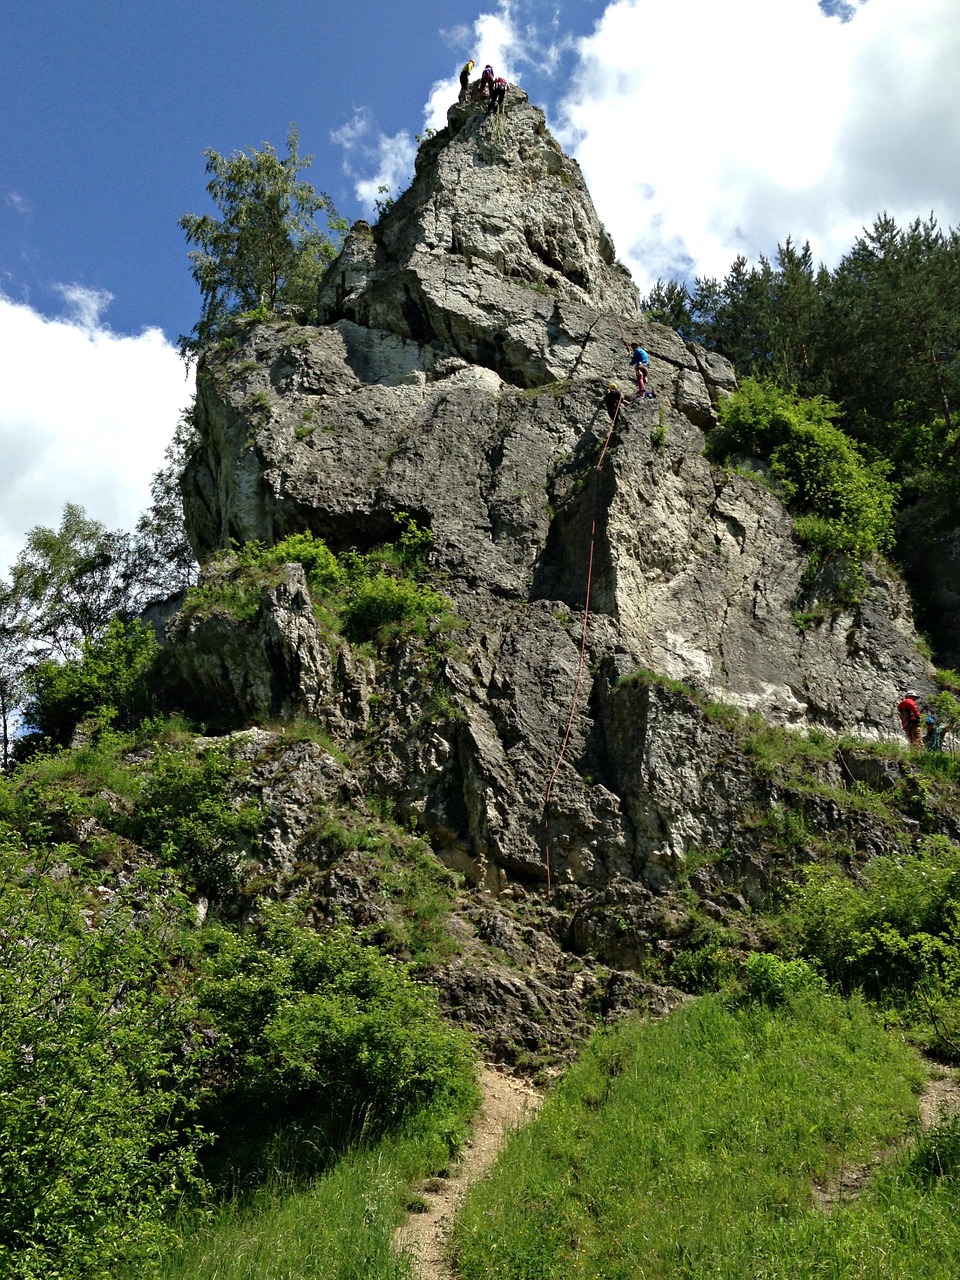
{"points": [[457, 373]]}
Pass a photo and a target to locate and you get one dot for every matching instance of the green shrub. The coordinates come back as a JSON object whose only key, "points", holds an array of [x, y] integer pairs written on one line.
{"points": [[892, 929], [842, 503], [307, 1020], [186, 814], [383, 607], [324, 572], [376, 596], [96, 1127], [112, 681], [773, 980]]}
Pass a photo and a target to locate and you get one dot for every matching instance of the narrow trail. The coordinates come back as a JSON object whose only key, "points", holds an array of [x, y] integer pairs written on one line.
{"points": [[940, 1100], [507, 1104]]}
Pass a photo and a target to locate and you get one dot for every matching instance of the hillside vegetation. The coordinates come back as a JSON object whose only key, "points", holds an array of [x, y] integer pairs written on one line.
{"points": [[250, 964], [246, 1072]]}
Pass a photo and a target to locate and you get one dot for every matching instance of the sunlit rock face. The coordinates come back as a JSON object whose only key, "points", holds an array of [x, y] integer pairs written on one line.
{"points": [[457, 374]]}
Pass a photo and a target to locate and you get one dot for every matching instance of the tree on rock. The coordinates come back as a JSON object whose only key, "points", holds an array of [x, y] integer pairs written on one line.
{"points": [[267, 247], [68, 583]]}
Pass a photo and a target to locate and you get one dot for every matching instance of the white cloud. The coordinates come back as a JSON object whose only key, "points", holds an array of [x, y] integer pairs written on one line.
{"points": [[85, 416], [381, 166], [705, 130], [85, 306], [18, 203]]}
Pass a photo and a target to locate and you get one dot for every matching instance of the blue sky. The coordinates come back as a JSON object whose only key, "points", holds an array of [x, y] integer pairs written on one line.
{"points": [[705, 128]]}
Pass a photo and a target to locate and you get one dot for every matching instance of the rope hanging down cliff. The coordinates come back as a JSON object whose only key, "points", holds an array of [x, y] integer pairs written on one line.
{"points": [[581, 661]]}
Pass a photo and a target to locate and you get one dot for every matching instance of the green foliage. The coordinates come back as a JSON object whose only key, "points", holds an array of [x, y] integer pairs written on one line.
{"points": [[325, 574], [186, 814], [841, 503], [385, 606], [68, 583], [306, 1020], [97, 1135], [893, 932], [266, 248], [111, 682], [377, 596], [689, 1146], [775, 980]]}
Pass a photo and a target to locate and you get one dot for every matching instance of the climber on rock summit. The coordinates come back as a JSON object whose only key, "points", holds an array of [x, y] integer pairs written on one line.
{"points": [[486, 83], [465, 79], [497, 95]]}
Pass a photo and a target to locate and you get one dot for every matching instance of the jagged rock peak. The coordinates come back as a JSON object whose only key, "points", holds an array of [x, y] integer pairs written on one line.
{"points": [[495, 249]]}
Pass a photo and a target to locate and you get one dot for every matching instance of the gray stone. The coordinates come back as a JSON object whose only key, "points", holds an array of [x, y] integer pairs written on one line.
{"points": [[457, 374]]}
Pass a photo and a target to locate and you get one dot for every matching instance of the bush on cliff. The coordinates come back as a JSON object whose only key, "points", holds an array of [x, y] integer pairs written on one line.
{"points": [[841, 502], [378, 596]]}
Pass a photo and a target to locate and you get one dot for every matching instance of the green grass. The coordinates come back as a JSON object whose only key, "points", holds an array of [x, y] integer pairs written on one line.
{"points": [[339, 1227], [692, 1148]]}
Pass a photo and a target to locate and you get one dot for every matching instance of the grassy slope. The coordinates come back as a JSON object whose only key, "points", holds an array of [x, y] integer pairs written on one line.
{"points": [[693, 1148]]}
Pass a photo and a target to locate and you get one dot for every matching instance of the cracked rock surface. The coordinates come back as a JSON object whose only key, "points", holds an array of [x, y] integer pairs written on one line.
{"points": [[457, 374]]}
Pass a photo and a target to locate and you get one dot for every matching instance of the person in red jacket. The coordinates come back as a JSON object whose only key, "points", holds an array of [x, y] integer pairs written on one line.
{"points": [[908, 710], [497, 95]]}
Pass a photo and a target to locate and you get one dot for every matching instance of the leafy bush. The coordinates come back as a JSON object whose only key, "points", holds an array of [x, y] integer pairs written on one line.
{"points": [[891, 930], [773, 980], [377, 596], [324, 572], [111, 680], [96, 1132], [384, 606], [843, 503], [186, 813], [307, 1020]]}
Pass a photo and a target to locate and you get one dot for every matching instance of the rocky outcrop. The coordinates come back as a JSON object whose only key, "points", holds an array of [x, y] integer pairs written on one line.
{"points": [[457, 374]]}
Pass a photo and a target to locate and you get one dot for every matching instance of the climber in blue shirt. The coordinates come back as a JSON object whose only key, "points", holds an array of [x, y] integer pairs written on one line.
{"points": [[640, 362]]}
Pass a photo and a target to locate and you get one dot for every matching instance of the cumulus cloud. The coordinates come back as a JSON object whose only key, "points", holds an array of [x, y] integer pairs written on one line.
{"points": [[381, 166], [709, 130], [85, 416]]}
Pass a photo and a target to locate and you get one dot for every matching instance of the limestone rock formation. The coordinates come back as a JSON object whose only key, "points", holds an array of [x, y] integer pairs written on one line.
{"points": [[457, 371]]}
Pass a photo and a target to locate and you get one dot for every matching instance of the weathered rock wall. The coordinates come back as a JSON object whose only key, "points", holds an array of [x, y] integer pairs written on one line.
{"points": [[457, 374]]}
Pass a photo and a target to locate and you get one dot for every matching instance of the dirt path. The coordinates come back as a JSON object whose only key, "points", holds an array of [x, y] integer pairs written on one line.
{"points": [[507, 1104], [939, 1100]]}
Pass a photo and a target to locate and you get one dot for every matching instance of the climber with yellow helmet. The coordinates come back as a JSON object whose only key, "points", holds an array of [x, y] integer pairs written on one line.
{"points": [[465, 79], [613, 400]]}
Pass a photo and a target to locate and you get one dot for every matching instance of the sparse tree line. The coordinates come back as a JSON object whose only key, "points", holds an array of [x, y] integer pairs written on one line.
{"points": [[877, 339]]}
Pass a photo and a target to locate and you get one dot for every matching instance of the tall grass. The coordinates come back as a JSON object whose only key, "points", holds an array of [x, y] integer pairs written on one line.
{"points": [[339, 1227], [693, 1147]]}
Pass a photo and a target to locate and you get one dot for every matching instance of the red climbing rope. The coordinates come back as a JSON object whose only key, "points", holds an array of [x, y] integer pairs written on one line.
{"points": [[582, 660]]}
